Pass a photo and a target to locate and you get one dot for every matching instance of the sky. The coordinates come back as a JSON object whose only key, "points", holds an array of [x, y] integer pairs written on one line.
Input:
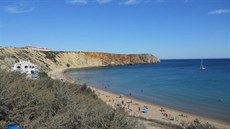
{"points": [[169, 29]]}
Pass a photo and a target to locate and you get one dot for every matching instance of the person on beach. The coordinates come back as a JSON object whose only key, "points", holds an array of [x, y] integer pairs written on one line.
{"points": [[122, 102], [162, 109], [130, 108], [130, 94]]}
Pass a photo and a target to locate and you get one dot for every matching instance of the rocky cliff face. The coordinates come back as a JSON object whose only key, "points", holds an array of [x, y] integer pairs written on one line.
{"points": [[51, 60], [122, 59]]}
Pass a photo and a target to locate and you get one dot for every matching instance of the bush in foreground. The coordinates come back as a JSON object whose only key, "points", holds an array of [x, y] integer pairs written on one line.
{"points": [[196, 124], [52, 104]]}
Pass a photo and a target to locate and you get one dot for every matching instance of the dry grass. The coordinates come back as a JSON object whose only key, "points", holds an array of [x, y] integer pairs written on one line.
{"points": [[52, 104]]}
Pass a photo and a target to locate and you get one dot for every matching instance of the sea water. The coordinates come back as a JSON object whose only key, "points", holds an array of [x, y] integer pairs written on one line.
{"points": [[177, 84]]}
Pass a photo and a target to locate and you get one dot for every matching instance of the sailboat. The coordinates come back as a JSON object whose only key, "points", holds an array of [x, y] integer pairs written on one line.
{"points": [[201, 65]]}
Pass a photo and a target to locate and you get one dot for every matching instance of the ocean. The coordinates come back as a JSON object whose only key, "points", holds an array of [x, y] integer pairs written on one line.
{"points": [[176, 84]]}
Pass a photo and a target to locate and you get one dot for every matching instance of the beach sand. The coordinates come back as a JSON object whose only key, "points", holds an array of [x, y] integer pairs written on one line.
{"points": [[135, 107]]}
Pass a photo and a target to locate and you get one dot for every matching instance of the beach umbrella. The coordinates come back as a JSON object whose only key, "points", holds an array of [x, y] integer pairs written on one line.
{"points": [[145, 110], [13, 126]]}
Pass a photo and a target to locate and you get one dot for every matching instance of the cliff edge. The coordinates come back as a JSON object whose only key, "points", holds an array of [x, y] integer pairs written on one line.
{"points": [[51, 60]]}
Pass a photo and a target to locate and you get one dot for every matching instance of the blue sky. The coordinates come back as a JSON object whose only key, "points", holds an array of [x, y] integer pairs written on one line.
{"points": [[165, 28]]}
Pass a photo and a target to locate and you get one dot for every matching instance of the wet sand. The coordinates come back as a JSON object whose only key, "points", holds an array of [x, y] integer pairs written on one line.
{"points": [[135, 107]]}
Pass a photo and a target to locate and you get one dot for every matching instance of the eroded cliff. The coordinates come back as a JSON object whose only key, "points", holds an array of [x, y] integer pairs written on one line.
{"points": [[51, 60]]}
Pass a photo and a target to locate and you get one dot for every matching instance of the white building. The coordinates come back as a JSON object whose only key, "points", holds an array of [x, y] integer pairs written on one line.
{"points": [[35, 48], [28, 68]]}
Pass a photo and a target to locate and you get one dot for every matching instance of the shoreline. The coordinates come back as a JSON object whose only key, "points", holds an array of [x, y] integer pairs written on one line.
{"points": [[188, 117], [132, 105]]}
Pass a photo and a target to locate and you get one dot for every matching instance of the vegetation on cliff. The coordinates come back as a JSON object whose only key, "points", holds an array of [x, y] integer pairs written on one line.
{"points": [[53, 104], [50, 60]]}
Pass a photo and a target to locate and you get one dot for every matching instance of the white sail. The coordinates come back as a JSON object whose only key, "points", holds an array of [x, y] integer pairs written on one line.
{"points": [[201, 65]]}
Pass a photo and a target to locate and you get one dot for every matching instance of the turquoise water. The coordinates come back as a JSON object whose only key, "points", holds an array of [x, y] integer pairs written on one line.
{"points": [[177, 84]]}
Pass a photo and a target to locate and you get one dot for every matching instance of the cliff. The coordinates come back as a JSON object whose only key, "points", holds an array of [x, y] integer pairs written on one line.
{"points": [[50, 60]]}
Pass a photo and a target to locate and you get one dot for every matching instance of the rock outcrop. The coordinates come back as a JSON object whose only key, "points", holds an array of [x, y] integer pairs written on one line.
{"points": [[50, 60]]}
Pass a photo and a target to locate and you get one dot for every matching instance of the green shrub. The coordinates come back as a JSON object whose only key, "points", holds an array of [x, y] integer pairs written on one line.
{"points": [[50, 55], [43, 74], [196, 124], [53, 104]]}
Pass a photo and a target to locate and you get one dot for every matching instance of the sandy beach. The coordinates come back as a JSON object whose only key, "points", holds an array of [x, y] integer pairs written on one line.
{"points": [[136, 107]]}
